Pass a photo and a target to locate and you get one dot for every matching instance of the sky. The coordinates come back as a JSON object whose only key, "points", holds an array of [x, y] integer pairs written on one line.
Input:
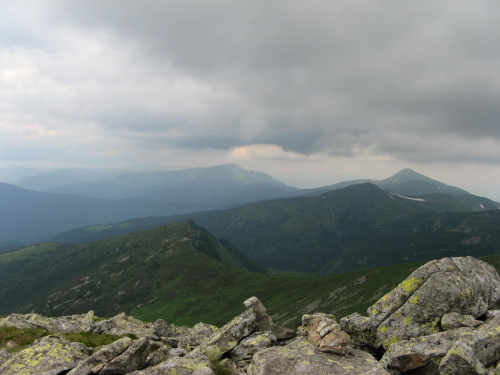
{"points": [[311, 92]]}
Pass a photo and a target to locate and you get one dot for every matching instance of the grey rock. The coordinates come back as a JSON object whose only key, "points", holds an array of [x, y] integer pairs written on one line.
{"points": [[102, 356], [415, 307], [133, 358], [25, 321], [227, 337], [307, 320], [202, 329], [301, 357], [263, 320], [425, 351], [190, 342], [160, 355], [171, 341], [335, 342], [251, 345], [456, 320], [283, 333], [72, 324], [63, 324], [323, 331], [177, 352], [102, 326], [163, 329], [122, 324], [491, 314], [4, 355], [461, 360], [50, 355], [81, 348], [196, 365]]}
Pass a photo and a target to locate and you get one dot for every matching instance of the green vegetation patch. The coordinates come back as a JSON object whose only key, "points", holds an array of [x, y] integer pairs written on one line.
{"points": [[15, 339], [26, 252], [93, 340]]}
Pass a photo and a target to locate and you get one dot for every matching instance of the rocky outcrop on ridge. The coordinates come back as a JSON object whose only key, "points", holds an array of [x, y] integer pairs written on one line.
{"points": [[443, 319], [440, 319]]}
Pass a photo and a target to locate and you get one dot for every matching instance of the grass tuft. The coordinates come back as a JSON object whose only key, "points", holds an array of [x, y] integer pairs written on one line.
{"points": [[14, 339]]}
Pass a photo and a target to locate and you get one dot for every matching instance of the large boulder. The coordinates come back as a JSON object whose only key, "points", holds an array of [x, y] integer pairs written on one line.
{"points": [[263, 320], [133, 358], [415, 307], [72, 324], [24, 321], [194, 365], [101, 357], [429, 351], [301, 357], [51, 355], [461, 360], [227, 337], [122, 325], [63, 324], [242, 354]]}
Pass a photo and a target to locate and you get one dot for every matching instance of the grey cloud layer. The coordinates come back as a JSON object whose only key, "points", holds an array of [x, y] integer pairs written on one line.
{"points": [[415, 80]]}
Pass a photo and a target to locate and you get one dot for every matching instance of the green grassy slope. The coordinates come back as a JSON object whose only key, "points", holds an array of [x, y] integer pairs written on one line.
{"points": [[116, 274], [180, 273], [347, 229], [352, 228]]}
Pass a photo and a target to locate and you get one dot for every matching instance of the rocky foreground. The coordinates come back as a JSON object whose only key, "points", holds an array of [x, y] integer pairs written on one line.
{"points": [[443, 319]]}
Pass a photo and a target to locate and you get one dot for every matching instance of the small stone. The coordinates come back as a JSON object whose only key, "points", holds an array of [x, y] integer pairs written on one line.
{"points": [[335, 342]]}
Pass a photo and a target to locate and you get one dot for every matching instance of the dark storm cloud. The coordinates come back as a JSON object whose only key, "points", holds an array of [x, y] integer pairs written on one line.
{"points": [[397, 78]]}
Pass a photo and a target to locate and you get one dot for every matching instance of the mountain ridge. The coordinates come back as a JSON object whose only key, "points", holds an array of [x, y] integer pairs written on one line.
{"points": [[342, 230]]}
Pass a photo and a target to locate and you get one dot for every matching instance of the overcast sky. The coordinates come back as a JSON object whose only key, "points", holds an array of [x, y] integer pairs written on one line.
{"points": [[311, 92]]}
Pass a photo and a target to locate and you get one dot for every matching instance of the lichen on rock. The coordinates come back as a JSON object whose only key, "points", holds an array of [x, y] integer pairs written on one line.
{"points": [[416, 306]]}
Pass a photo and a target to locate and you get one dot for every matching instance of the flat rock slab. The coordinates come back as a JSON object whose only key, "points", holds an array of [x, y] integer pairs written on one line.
{"points": [[199, 365], [301, 357], [51, 355]]}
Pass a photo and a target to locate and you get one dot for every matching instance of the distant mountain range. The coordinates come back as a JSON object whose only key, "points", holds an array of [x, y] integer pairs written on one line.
{"points": [[406, 181], [29, 216], [222, 185], [343, 230]]}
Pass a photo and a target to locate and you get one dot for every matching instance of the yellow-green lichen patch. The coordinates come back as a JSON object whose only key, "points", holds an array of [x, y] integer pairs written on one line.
{"points": [[431, 327], [332, 361], [410, 285], [389, 342], [305, 363], [382, 329], [414, 300], [212, 352], [407, 320]]}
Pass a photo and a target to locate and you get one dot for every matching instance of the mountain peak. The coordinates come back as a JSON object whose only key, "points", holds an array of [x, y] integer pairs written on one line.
{"points": [[407, 181], [408, 174]]}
